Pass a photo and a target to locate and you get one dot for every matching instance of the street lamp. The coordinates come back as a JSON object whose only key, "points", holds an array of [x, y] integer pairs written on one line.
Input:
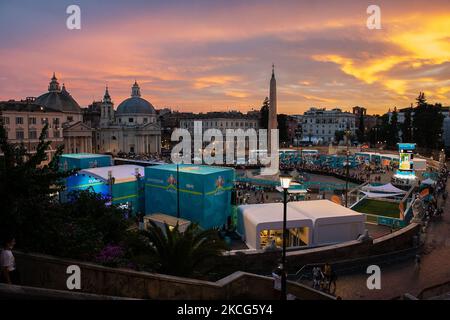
{"points": [[178, 190], [285, 181], [347, 165]]}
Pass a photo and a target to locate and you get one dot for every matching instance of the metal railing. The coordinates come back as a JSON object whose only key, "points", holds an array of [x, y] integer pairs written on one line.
{"points": [[352, 265]]}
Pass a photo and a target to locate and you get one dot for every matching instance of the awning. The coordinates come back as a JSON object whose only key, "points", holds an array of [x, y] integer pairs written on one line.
{"points": [[428, 181], [380, 195], [387, 188]]}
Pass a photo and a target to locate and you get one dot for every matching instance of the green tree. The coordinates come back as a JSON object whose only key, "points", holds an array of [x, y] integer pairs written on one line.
{"points": [[30, 208], [427, 123], [406, 127], [361, 132], [28, 185], [264, 114], [181, 253], [384, 130], [421, 100], [88, 224], [339, 135], [392, 130], [283, 128]]}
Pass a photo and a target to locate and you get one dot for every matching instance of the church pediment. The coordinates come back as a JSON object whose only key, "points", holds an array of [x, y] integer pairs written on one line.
{"points": [[151, 126], [77, 126]]}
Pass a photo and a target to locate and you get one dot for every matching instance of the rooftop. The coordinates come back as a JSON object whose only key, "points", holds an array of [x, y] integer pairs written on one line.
{"points": [[190, 168], [83, 155], [24, 106], [122, 173]]}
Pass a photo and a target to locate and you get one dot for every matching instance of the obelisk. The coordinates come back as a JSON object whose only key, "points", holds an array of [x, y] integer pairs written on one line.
{"points": [[273, 124]]}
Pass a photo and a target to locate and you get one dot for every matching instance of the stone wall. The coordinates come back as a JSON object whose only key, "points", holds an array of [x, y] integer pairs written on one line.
{"points": [[50, 272], [261, 262]]}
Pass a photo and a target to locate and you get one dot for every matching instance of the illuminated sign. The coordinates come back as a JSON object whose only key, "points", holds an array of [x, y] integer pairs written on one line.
{"points": [[406, 151]]}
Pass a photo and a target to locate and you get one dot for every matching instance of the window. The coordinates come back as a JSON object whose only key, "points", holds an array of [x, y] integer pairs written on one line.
{"points": [[56, 121], [19, 120], [56, 134], [44, 121], [130, 120], [19, 135], [32, 120], [145, 120], [69, 119], [120, 120], [32, 135], [5, 120]]}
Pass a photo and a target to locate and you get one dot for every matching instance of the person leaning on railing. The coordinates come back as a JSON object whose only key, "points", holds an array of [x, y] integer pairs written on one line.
{"points": [[9, 273]]}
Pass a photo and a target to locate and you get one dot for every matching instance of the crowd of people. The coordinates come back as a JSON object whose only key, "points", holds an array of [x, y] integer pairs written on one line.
{"points": [[245, 192], [431, 207], [324, 278], [144, 157], [358, 174]]}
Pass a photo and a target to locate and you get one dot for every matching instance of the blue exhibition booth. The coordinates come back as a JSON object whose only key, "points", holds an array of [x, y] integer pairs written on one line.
{"points": [[204, 192], [123, 185], [84, 161]]}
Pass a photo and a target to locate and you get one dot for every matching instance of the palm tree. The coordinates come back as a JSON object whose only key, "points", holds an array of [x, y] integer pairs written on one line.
{"points": [[180, 253]]}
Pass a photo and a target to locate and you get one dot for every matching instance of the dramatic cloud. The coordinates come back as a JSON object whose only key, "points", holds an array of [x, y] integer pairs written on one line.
{"points": [[216, 55]]}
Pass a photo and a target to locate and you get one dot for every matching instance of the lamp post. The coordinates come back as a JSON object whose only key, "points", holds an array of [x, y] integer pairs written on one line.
{"points": [[285, 181], [178, 190], [347, 167]]}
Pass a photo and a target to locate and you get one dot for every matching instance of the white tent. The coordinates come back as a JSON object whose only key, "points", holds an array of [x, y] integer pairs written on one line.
{"points": [[428, 181], [326, 221], [380, 195], [254, 218], [386, 188], [333, 223]]}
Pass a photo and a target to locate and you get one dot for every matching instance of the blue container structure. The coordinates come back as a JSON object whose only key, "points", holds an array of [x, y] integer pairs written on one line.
{"points": [[123, 184], [84, 161], [204, 192]]}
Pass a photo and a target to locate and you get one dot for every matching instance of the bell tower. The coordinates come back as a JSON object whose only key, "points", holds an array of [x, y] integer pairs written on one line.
{"points": [[107, 110]]}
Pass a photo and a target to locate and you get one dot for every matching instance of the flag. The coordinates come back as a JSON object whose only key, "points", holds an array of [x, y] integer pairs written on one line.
{"points": [[336, 199]]}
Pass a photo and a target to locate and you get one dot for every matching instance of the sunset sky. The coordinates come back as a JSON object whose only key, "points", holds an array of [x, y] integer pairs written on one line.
{"points": [[216, 55]]}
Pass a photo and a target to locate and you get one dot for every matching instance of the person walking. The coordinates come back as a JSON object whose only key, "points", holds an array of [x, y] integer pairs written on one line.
{"points": [[333, 279], [9, 273], [276, 274], [317, 277], [418, 260], [327, 275]]}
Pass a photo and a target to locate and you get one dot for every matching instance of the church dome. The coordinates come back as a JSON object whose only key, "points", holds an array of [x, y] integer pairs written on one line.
{"points": [[58, 98], [135, 104]]}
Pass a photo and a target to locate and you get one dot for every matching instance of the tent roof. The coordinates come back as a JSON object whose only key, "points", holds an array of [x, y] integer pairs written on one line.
{"points": [[386, 188], [272, 213], [190, 168], [306, 212], [169, 220], [380, 195], [122, 173], [83, 155], [321, 209], [428, 181]]}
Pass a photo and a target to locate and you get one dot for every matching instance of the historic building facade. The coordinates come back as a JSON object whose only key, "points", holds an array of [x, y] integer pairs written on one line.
{"points": [[24, 121], [76, 134], [320, 125], [132, 128]]}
